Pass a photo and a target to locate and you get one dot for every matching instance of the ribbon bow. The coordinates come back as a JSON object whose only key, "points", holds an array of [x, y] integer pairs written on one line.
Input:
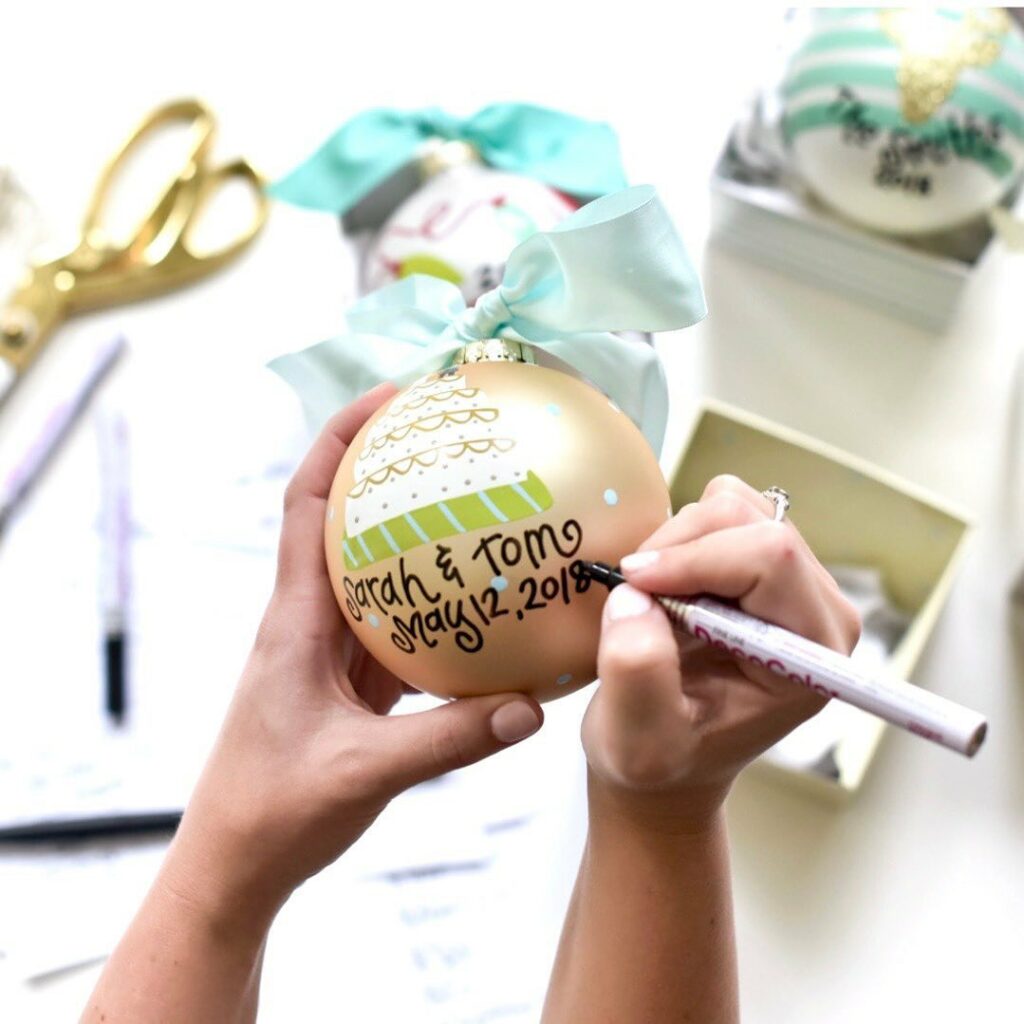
{"points": [[615, 264], [566, 152]]}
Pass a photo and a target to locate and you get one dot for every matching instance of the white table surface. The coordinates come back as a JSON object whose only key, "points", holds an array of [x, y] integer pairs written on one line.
{"points": [[905, 905]]}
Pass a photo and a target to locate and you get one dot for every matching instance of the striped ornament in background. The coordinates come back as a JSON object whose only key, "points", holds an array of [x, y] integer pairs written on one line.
{"points": [[907, 121]]}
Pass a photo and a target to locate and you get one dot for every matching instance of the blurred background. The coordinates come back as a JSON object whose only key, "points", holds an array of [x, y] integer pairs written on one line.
{"points": [[884, 885]]}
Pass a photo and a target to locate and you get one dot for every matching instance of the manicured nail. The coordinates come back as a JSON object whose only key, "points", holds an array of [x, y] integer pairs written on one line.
{"points": [[640, 560], [514, 722], [625, 602]]}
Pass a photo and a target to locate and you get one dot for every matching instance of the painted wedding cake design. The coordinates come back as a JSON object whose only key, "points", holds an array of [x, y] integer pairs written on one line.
{"points": [[436, 464]]}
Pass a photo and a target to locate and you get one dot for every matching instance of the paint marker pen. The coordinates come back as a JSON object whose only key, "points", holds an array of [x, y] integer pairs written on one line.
{"points": [[817, 667], [115, 568], [56, 428]]}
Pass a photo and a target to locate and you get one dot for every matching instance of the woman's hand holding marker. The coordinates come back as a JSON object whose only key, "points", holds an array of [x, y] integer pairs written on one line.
{"points": [[648, 935], [675, 719]]}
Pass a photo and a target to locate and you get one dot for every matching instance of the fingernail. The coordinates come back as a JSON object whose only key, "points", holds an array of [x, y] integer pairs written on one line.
{"points": [[639, 560], [626, 602], [514, 722]]}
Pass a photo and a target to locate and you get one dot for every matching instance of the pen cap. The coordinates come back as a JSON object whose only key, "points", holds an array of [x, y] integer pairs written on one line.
{"points": [[115, 518]]}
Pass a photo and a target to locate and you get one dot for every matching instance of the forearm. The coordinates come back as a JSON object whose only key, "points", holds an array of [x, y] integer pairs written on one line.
{"points": [[187, 957], [649, 931]]}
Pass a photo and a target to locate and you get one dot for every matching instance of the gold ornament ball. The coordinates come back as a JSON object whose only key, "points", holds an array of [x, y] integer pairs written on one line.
{"points": [[458, 517]]}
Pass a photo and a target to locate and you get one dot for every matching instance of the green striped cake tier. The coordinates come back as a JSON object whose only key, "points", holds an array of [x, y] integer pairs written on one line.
{"points": [[491, 507]]}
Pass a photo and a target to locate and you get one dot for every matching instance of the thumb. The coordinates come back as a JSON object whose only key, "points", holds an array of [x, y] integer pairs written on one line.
{"points": [[638, 663], [637, 729], [427, 744]]}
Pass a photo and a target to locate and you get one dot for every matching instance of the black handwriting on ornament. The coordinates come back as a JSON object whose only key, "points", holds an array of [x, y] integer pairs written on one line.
{"points": [[852, 113], [449, 572], [537, 544], [400, 588], [905, 157], [451, 616], [422, 612]]}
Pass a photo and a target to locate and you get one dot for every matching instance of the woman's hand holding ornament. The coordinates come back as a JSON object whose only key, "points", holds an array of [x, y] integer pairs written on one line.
{"points": [[305, 761]]}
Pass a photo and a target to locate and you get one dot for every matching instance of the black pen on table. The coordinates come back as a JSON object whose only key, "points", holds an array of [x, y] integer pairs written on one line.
{"points": [[115, 564]]}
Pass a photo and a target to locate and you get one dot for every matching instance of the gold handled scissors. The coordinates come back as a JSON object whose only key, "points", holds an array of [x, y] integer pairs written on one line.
{"points": [[157, 258]]}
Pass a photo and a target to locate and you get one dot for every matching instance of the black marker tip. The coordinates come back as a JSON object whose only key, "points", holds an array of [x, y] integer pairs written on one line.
{"points": [[601, 572]]}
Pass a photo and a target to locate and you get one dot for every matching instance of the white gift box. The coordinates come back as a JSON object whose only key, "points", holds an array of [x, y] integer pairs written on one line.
{"points": [[769, 219]]}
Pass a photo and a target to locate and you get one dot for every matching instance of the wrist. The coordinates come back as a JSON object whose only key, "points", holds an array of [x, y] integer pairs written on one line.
{"points": [[692, 812], [205, 921], [212, 882]]}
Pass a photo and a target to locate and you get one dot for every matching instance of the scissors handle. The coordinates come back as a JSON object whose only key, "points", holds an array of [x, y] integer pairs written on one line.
{"points": [[189, 111], [160, 257], [179, 263]]}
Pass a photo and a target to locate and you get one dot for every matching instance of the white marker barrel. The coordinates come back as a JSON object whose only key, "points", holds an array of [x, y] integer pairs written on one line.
{"points": [[829, 673]]}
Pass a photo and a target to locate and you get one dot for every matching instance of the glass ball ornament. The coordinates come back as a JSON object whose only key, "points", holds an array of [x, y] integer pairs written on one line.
{"points": [[907, 121], [459, 516], [461, 226]]}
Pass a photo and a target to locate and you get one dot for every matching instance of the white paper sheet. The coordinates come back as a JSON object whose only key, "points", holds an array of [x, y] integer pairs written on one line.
{"points": [[470, 942], [203, 562], [67, 905]]}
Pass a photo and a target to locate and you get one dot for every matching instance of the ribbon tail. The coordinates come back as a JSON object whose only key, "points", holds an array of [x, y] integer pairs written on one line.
{"points": [[568, 153], [615, 264], [628, 372], [397, 333], [355, 160], [330, 375]]}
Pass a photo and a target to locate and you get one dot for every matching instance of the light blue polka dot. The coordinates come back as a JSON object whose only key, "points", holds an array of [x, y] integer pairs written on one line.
{"points": [[499, 583], [565, 677], [330, 514], [374, 621], [611, 497], [555, 410]]}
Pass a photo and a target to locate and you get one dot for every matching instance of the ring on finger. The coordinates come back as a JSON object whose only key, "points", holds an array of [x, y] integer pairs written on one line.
{"points": [[780, 499]]}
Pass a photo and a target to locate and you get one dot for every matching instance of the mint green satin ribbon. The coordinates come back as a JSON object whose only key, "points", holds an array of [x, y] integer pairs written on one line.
{"points": [[566, 152], [615, 264]]}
